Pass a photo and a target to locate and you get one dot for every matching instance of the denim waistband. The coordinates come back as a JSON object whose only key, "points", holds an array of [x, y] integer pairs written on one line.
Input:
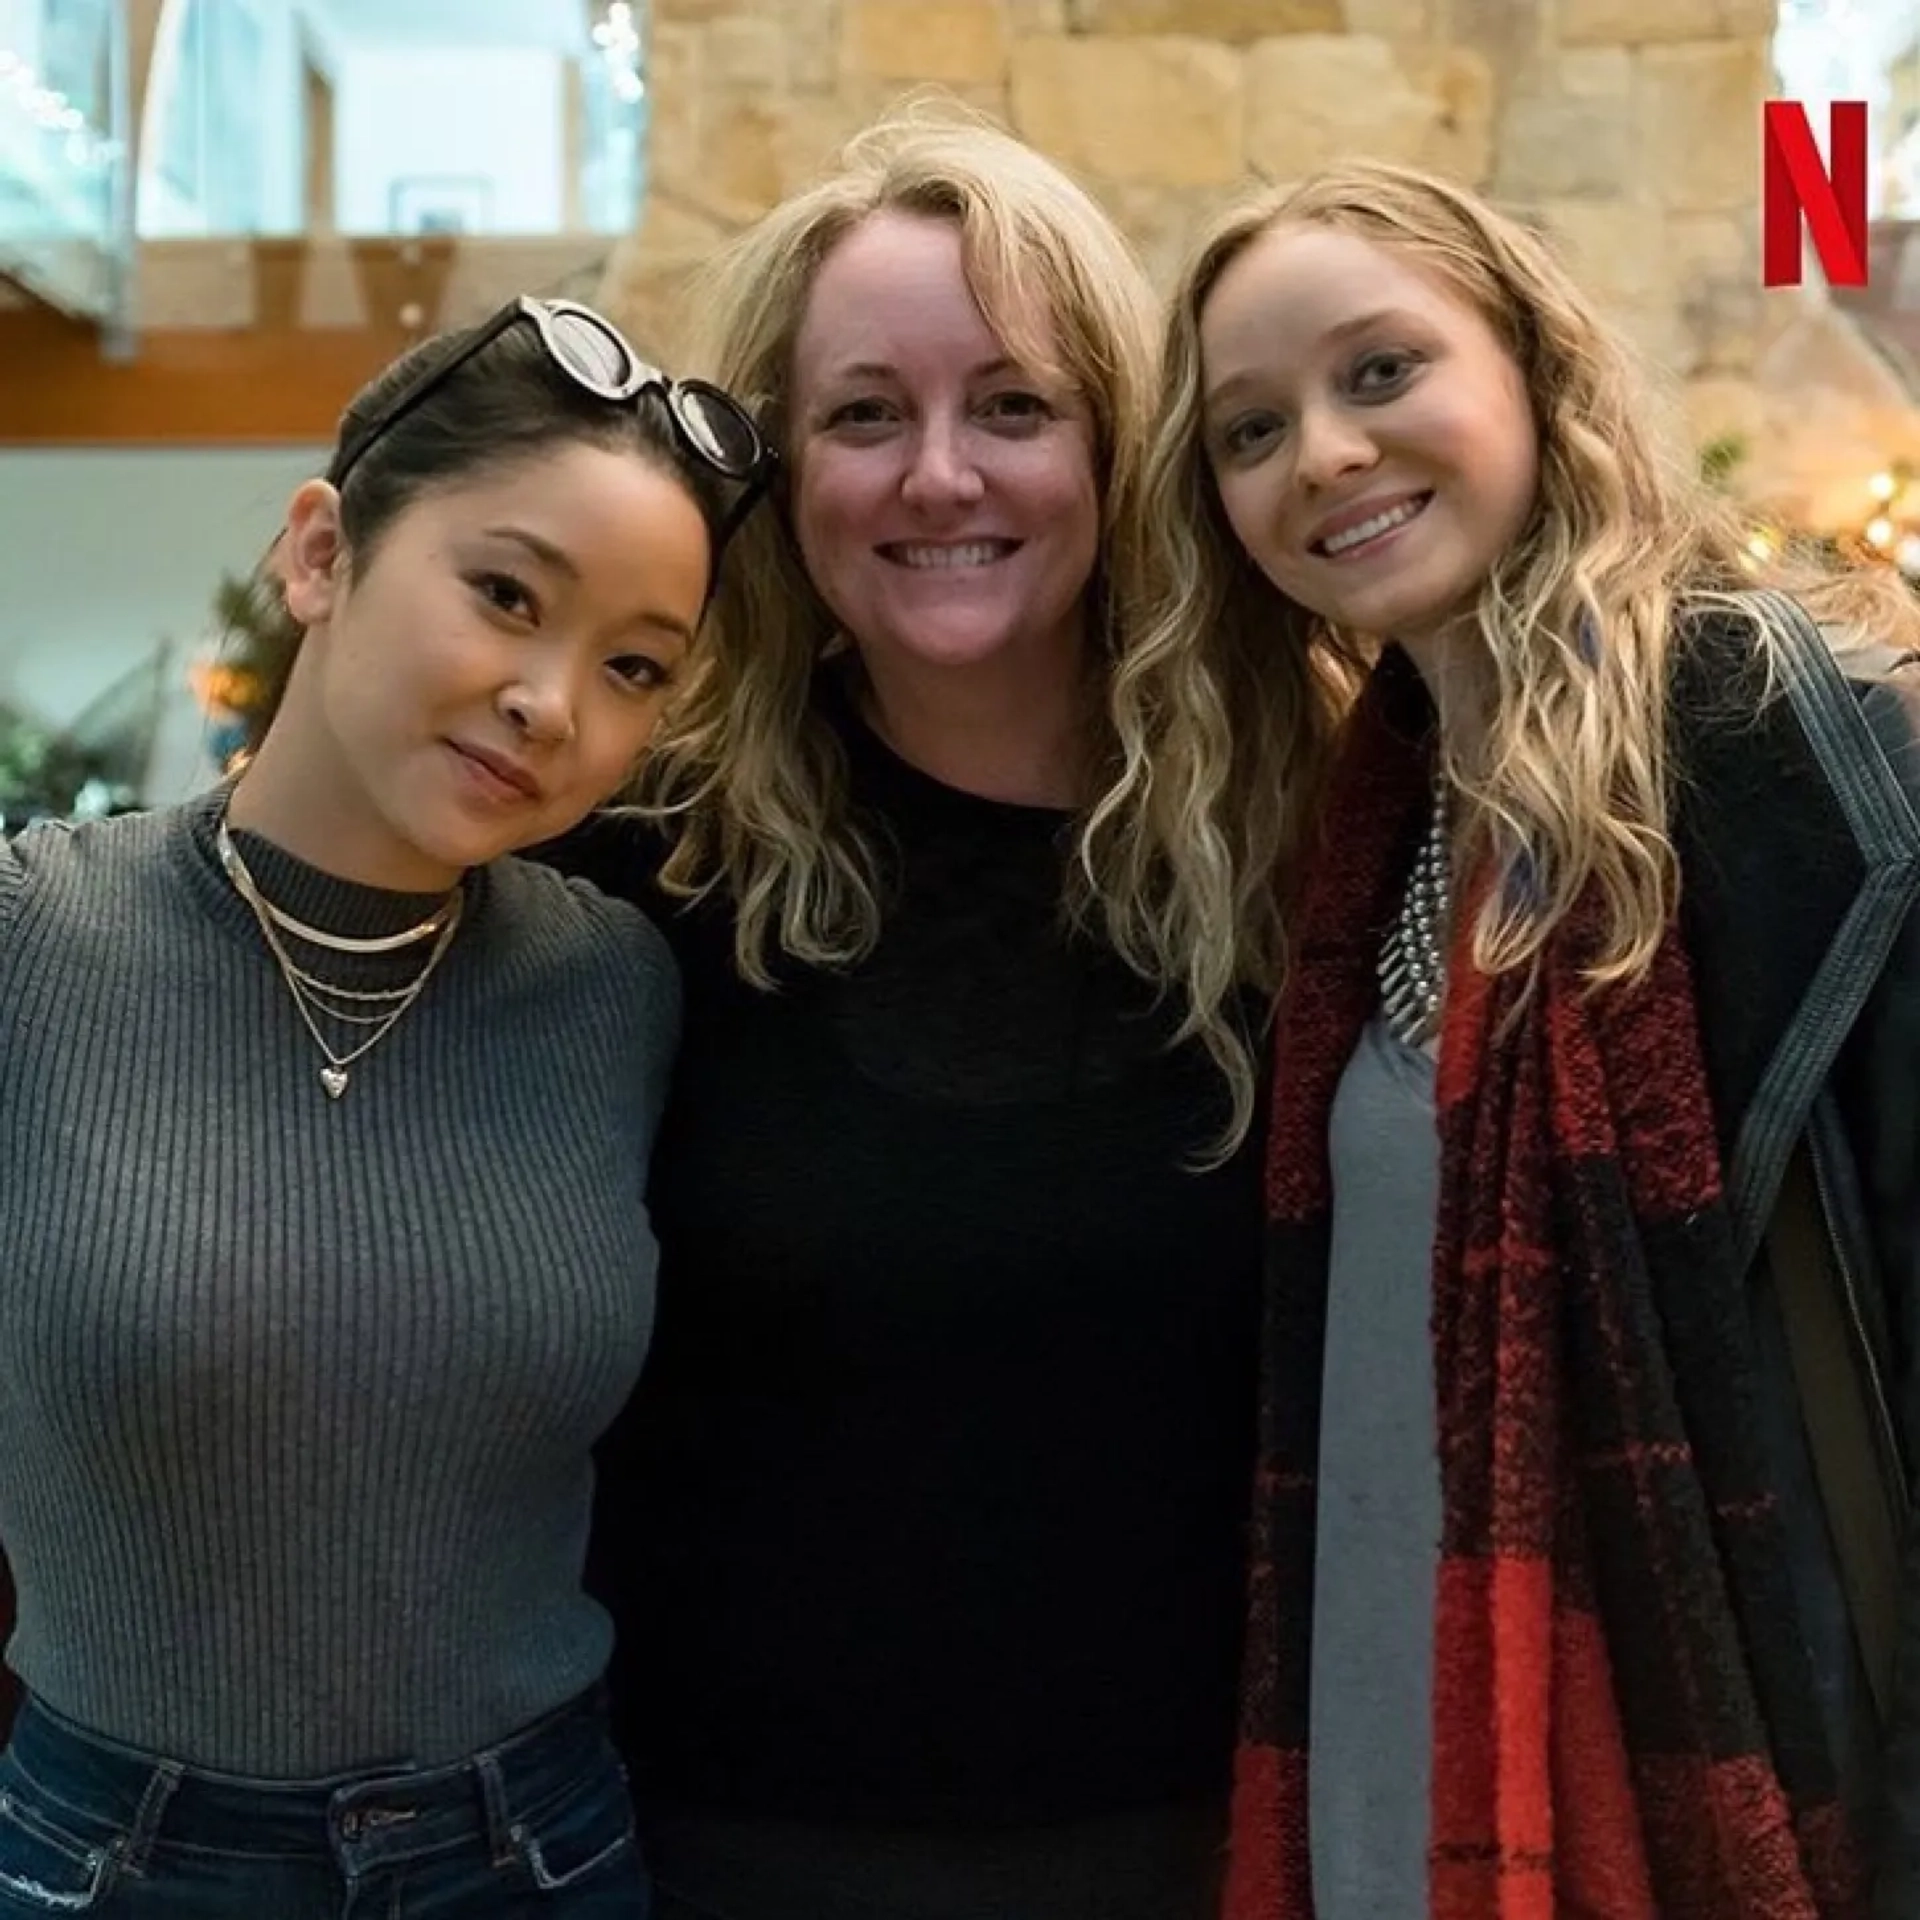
{"points": [[376, 1816]]}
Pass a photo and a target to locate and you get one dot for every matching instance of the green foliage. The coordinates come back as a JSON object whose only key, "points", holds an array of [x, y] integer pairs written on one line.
{"points": [[258, 644], [256, 650], [43, 771], [1719, 459]]}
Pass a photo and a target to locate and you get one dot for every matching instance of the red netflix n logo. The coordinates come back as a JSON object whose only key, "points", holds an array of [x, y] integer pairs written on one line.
{"points": [[1796, 187]]}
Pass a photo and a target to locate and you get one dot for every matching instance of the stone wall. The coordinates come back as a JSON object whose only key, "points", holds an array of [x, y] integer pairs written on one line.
{"points": [[1627, 127]]}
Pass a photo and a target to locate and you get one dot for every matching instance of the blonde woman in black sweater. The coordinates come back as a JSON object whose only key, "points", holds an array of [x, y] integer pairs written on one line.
{"points": [[924, 1530]]}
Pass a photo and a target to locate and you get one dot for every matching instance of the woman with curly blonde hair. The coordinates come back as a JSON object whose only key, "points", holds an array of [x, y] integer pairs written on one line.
{"points": [[926, 1532], [1593, 1170]]}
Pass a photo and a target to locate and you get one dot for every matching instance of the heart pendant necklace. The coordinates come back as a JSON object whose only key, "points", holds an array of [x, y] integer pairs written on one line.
{"points": [[375, 1013]]}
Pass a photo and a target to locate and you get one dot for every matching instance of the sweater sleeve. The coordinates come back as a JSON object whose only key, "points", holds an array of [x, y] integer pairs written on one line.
{"points": [[654, 973], [13, 889], [621, 854]]}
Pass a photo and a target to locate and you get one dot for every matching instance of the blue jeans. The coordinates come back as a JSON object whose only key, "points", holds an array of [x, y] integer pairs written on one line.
{"points": [[537, 1828]]}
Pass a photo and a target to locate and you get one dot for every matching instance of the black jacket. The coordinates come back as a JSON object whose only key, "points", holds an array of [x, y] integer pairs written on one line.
{"points": [[1799, 840]]}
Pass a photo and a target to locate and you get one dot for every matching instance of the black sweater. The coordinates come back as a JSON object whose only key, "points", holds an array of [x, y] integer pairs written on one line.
{"points": [[930, 1504]]}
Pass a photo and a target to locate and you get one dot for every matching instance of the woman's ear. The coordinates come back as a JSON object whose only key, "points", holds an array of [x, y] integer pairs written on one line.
{"points": [[312, 553]]}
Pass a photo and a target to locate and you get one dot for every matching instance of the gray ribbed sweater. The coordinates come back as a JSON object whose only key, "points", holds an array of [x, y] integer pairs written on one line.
{"points": [[296, 1396]]}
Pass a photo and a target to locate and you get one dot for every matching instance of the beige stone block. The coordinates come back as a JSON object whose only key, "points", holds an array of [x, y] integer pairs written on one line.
{"points": [[738, 176], [1460, 82], [748, 55], [1391, 19], [814, 129], [1556, 147], [698, 13], [1712, 246], [1237, 22], [810, 132], [1595, 73], [1723, 320], [674, 53], [1658, 338], [671, 232], [953, 41], [1316, 98], [1165, 223], [1637, 22], [995, 100], [1513, 35], [676, 76], [812, 28], [1037, 16], [1713, 266], [1699, 124], [1170, 111], [673, 140], [1612, 248], [625, 269]]}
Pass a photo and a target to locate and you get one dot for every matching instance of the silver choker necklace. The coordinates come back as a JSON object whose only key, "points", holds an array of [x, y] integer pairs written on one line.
{"points": [[1413, 958], [236, 870]]}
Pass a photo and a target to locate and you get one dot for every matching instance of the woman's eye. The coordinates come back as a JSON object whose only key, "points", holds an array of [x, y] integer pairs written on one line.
{"points": [[639, 672], [1249, 434], [866, 412], [1019, 409], [1383, 372], [504, 594]]}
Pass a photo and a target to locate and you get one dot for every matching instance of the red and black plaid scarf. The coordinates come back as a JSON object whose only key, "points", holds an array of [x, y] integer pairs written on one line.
{"points": [[1623, 1725]]}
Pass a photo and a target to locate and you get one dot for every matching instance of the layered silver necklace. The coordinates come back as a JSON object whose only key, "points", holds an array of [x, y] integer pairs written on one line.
{"points": [[373, 1014], [1413, 957]]}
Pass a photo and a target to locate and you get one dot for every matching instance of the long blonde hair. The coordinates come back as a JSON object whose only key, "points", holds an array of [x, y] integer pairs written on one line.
{"points": [[1229, 703], [746, 765]]}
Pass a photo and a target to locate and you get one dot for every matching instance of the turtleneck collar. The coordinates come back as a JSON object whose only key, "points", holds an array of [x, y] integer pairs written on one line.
{"points": [[881, 775]]}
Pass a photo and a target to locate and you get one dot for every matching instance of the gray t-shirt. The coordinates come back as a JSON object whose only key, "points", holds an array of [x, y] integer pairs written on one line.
{"points": [[1378, 1539], [297, 1394]]}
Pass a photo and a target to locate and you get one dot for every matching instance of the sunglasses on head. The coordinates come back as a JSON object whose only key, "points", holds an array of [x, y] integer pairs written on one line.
{"points": [[593, 353]]}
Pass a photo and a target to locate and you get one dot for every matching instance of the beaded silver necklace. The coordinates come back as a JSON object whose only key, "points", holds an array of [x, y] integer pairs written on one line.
{"points": [[1413, 958]]}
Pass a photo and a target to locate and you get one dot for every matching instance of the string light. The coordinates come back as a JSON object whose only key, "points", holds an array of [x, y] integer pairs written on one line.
{"points": [[51, 112], [618, 38], [1892, 528], [1886, 533]]}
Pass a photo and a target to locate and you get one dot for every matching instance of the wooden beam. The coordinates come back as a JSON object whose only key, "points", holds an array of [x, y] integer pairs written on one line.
{"points": [[198, 386], [263, 339]]}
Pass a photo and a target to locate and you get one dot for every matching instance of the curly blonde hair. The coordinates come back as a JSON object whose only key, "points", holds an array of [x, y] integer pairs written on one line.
{"points": [[1229, 702], [746, 765]]}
